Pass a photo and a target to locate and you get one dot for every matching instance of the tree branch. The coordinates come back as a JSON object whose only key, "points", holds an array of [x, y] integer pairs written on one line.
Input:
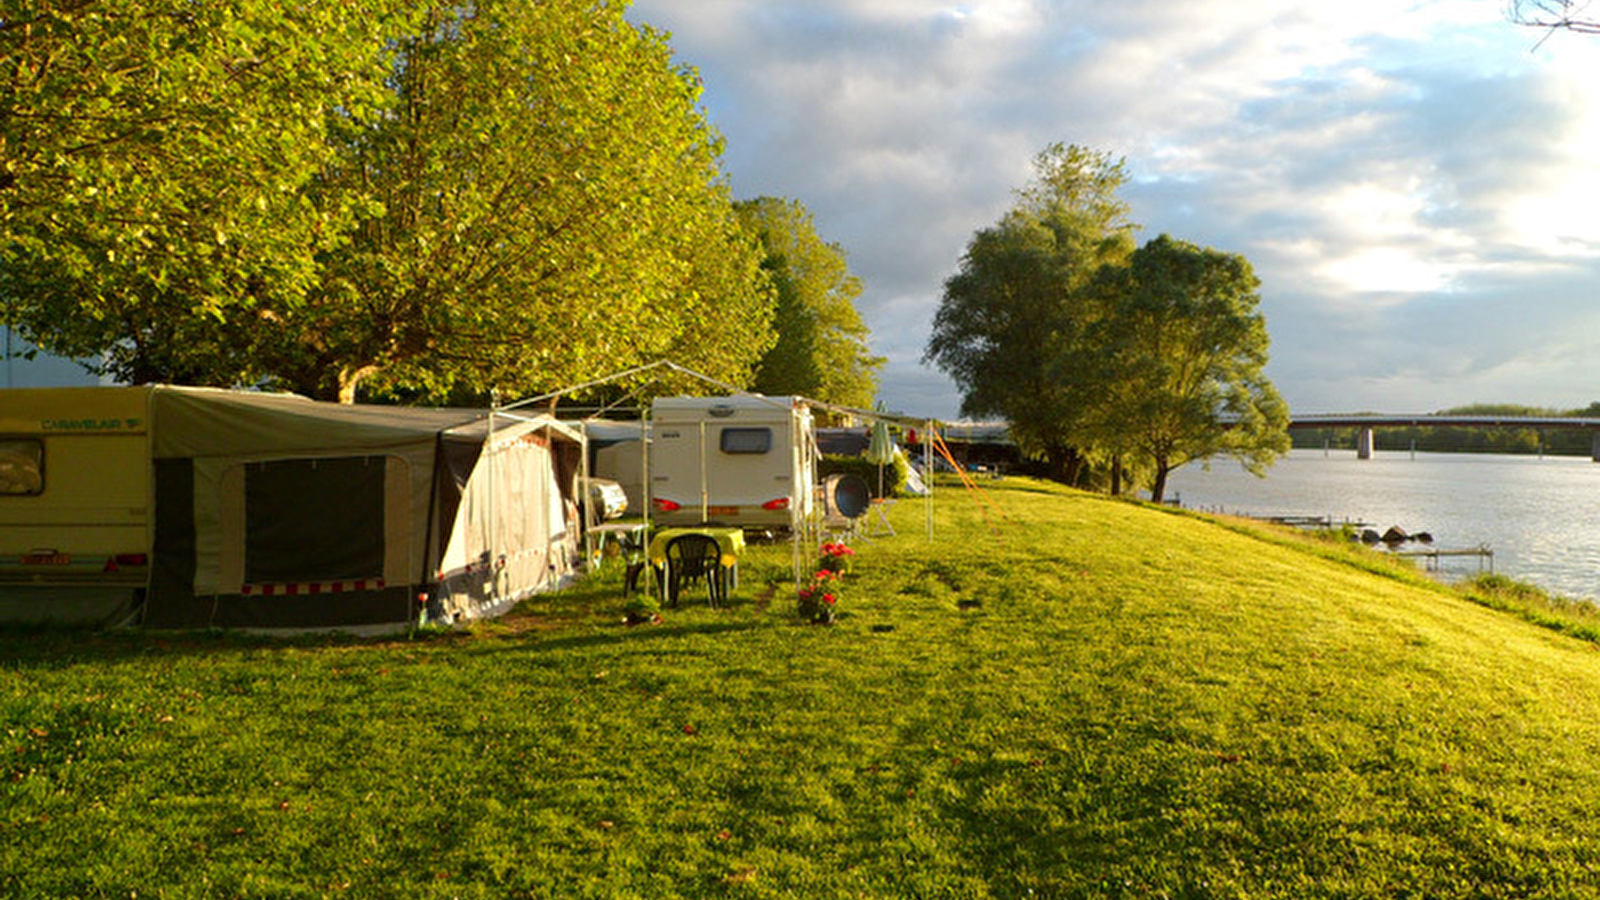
{"points": [[1554, 15]]}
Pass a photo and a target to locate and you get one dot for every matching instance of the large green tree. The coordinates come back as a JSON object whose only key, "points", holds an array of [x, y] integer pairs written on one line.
{"points": [[821, 348], [428, 199], [154, 160], [1013, 326], [548, 207], [1184, 347]]}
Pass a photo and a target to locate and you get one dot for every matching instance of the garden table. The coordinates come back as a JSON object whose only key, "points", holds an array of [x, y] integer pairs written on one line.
{"points": [[729, 540]]}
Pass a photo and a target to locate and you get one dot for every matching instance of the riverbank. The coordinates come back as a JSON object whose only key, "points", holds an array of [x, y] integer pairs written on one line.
{"points": [[1091, 698], [1537, 515]]}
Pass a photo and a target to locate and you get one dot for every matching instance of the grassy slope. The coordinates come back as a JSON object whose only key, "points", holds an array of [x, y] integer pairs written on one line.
{"points": [[1140, 704]]}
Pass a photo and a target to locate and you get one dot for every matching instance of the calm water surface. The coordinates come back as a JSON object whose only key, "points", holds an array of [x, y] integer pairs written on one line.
{"points": [[1540, 516]]}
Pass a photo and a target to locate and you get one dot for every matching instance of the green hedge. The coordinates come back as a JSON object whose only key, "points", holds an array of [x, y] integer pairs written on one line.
{"points": [[894, 475]]}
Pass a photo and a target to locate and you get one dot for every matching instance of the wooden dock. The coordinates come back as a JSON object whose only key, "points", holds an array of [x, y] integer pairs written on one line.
{"points": [[1433, 555], [1324, 522]]}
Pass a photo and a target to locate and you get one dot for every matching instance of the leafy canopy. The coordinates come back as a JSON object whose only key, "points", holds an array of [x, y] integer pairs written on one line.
{"points": [[821, 349], [1012, 325], [155, 157], [430, 201], [1098, 353], [1186, 347]]}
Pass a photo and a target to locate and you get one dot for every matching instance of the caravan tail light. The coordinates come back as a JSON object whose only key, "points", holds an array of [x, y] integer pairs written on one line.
{"points": [[116, 563], [666, 505], [774, 505]]}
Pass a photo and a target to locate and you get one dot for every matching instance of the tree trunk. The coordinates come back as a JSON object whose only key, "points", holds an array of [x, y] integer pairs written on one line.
{"points": [[1159, 489], [1074, 468], [1116, 476], [349, 378], [1063, 464]]}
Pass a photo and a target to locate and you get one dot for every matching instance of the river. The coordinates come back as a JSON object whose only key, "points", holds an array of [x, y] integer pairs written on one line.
{"points": [[1540, 516]]}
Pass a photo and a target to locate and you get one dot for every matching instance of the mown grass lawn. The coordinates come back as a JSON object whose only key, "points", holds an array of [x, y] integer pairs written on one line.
{"points": [[1095, 699]]}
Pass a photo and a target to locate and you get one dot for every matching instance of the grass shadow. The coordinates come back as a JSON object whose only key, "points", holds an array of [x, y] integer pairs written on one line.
{"points": [[61, 647]]}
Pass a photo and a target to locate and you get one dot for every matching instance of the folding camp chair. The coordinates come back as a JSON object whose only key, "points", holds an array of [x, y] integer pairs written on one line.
{"points": [[882, 528]]}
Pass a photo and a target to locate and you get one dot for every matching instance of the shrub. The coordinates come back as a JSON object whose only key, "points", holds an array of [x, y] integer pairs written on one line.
{"points": [[894, 474]]}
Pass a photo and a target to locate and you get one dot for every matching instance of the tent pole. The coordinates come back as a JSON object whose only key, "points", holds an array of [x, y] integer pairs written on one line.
{"points": [[589, 384], [648, 573], [800, 520], [585, 502], [494, 488], [927, 466], [555, 476], [705, 489]]}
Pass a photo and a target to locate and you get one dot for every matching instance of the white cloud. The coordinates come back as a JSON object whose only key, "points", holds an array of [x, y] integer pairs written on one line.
{"points": [[1407, 178]]}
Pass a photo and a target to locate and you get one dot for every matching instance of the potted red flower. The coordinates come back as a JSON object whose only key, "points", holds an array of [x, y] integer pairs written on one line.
{"points": [[836, 557], [819, 597]]}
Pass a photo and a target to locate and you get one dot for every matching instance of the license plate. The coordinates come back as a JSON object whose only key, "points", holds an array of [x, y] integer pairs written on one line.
{"points": [[46, 559], [722, 510]]}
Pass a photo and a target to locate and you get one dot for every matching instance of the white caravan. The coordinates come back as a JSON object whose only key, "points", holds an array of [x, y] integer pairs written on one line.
{"points": [[746, 461]]}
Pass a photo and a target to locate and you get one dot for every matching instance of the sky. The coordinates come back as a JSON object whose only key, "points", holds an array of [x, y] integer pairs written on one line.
{"points": [[1416, 184]]}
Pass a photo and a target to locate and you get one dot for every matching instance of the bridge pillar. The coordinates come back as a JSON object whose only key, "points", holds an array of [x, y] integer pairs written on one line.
{"points": [[1364, 442]]}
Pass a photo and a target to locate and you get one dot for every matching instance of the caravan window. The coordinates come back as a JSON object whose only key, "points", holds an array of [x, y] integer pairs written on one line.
{"points": [[746, 440], [314, 520], [21, 466]]}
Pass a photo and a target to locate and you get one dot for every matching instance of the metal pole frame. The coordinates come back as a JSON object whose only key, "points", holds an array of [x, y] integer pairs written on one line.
{"points": [[810, 527], [494, 488], [927, 467]]}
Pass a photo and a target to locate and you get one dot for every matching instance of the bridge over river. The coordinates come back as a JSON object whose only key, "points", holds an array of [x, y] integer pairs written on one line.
{"points": [[1367, 423]]}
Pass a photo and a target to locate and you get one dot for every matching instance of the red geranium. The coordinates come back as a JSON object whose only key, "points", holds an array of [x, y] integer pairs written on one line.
{"points": [[817, 597]]}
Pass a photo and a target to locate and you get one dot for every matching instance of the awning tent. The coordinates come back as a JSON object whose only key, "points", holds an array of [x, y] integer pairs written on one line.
{"points": [[277, 511], [273, 511]]}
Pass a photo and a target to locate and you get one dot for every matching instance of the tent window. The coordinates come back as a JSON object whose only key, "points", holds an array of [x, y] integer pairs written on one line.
{"points": [[746, 440], [21, 467], [314, 520]]}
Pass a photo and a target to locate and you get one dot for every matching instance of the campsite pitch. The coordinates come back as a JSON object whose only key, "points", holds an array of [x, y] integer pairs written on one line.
{"points": [[1091, 699]]}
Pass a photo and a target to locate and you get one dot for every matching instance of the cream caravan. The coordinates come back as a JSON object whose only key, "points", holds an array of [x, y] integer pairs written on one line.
{"points": [[747, 461]]}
